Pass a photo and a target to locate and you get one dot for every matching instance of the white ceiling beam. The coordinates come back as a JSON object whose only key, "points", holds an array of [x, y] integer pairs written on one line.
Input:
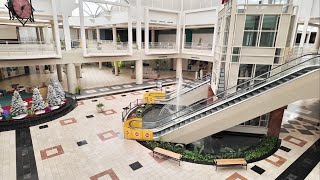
{"points": [[108, 2]]}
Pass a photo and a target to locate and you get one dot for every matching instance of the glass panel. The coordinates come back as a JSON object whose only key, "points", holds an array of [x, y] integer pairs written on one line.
{"points": [[236, 50], [267, 39], [249, 39], [245, 70], [269, 22], [278, 52], [264, 123], [276, 60], [235, 58], [261, 69], [252, 22]]}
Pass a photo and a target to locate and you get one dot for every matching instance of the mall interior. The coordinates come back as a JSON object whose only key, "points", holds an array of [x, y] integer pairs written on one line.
{"points": [[159, 89]]}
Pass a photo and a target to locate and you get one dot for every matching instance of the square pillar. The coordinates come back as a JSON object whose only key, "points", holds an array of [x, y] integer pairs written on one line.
{"points": [[275, 120], [71, 77], [139, 71]]}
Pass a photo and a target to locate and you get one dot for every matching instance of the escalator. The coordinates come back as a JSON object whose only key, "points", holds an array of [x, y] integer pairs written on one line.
{"points": [[189, 92], [295, 80]]}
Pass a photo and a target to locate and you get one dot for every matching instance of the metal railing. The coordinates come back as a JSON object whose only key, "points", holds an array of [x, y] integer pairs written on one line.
{"points": [[160, 45], [233, 93], [12, 48], [132, 105], [198, 46]]}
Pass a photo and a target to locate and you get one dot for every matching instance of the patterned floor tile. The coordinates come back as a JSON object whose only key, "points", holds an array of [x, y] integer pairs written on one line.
{"points": [[287, 126], [295, 141], [258, 169], [283, 130], [81, 143], [104, 89], [136, 93], [159, 159], [91, 91], [116, 87], [109, 97], [310, 127], [305, 132], [285, 149], [94, 100], [89, 116], [294, 122], [276, 160], [68, 121], [51, 152], [80, 103], [236, 176], [108, 172], [127, 86], [107, 135], [151, 82], [43, 127], [136, 165], [109, 112]]}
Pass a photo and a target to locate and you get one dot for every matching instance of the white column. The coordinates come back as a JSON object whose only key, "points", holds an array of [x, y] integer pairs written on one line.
{"points": [[153, 35], [308, 38], [100, 65], [116, 68], [178, 67], [71, 77], [59, 72], [46, 35], [215, 33], [304, 32], [38, 34], [78, 71], [98, 34], [183, 36], [130, 30], [114, 35], [178, 36], [146, 30], [317, 40], [138, 25], [56, 27], [66, 31], [139, 71], [83, 31]]}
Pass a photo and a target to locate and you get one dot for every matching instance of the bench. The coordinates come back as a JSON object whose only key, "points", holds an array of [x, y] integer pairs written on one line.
{"points": [[230, 162], [168, 154]]}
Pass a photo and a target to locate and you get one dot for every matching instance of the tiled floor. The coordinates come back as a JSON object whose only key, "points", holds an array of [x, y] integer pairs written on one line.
{"points": [[91, 77], [75, 147]]}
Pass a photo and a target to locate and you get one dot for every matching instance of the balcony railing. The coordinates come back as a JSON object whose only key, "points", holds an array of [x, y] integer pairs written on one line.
{"points": [[160, 45], [19, 48], [198, 46], [105, 46]]}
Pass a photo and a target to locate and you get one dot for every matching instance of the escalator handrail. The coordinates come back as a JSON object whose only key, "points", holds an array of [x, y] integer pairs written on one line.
{"points": [[205, 100]]}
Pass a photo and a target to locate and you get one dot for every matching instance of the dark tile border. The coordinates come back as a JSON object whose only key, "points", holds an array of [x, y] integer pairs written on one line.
{"points": [[26, 167]]}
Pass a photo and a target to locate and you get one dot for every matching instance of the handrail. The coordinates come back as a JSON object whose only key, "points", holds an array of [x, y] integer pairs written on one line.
{"points": [[176, 114]]}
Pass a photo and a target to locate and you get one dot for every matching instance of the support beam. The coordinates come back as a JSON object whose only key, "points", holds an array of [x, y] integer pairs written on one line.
{"points": [[59, 72], [114, 35], [98, 34], [146, 30], [138, 25], [51, 68], [71, 77], [116, 68], [66, 31], [56, 27], [178, 67], [304, 32], [83, 31], [100, 65], [139, 71], [130, 38], [317, 40]]}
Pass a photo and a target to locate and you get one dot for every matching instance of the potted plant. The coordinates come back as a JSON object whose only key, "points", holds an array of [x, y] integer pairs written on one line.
{"points": [[99, 47], [100, 107], [78, 90]]}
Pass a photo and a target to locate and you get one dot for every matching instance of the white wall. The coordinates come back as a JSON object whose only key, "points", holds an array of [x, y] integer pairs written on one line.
{"points": [[8, 32], [167, 38]]}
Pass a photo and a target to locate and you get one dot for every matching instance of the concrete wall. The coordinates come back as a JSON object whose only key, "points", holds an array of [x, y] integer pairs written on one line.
{"points": [[8, 32]]}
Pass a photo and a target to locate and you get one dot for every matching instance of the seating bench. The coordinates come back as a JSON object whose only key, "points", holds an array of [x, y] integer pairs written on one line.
{"points": [[230, 162], [166, 153]]}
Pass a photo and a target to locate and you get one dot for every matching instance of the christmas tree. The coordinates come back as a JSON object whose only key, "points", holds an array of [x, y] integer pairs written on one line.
{"points": [[1, 110], [57, 88], [37, 101], [17, 107], [52, 98]]}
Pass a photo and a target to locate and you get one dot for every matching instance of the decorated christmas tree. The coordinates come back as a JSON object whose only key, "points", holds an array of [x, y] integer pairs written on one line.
{"points": [[37, 101], [1, 110], [52, 98], [57, 88], [17, 107]]}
